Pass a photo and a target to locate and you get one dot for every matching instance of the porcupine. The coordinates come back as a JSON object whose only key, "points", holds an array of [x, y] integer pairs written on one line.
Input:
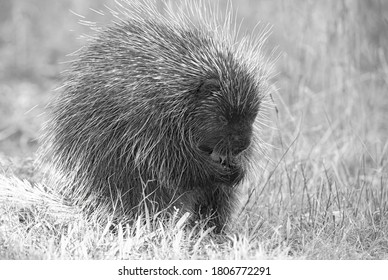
{"points": [[163, 108]]}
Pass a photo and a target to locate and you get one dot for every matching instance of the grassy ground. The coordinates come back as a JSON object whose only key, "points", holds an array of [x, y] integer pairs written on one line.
{"points": [[325, 194]]}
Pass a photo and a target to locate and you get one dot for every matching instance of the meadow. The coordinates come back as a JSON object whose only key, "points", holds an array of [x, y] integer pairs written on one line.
{"points": [[323, 193]]}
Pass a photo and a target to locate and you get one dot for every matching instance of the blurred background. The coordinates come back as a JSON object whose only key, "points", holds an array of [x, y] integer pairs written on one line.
{"points": [[333, 70]]}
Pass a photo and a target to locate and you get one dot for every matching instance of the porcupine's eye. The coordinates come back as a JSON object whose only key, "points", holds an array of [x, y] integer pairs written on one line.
{"points": [[222, 120], [207, 87]]}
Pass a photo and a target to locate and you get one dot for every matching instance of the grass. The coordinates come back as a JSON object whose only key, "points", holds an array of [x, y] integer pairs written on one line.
{"points": [[323, 196]]}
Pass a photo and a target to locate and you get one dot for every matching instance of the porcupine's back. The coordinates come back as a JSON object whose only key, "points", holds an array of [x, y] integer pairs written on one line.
{"points": [[157, 106]]}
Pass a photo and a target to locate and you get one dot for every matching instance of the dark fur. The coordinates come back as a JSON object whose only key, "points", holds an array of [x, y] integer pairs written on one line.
{"points": [[161, 111]]}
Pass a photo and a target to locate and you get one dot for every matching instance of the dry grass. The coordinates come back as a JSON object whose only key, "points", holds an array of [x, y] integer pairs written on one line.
{"points": [[325, 196]]}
